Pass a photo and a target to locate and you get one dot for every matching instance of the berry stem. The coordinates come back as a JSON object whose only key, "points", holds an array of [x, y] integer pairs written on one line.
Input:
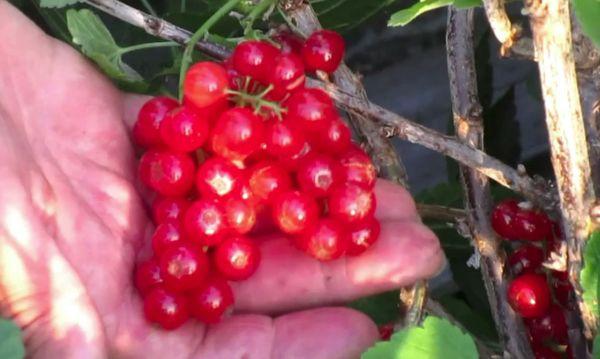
{"points": [[258, 10], [257, 101], [197, 36], [148, 45]]}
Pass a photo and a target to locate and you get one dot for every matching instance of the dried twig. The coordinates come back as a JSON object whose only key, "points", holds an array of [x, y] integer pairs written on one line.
{"points": [[468, 123], [503, 29], [442, 213], [551, 27]]}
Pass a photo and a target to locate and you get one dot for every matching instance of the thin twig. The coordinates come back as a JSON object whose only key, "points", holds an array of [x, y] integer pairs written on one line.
{"points": [[503, 29], [394, 125], [442, 213], [468, 124], [551, 28]]}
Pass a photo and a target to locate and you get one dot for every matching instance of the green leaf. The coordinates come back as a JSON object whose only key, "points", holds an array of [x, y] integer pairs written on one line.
{"points": [[407, 15], [97, 43], [437, 339], [596, 347], [590, 274], [382, 308], [11, 343], [466, 4], [57, 3], [345, 14], [476, 323], [588, 14]]}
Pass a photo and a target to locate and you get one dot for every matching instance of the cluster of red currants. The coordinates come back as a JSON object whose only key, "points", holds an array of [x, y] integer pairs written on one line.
{"points": [[249, 150], [538, 295]]}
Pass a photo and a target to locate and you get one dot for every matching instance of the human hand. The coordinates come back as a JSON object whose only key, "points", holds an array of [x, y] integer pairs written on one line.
{"points": [[72, 221]]}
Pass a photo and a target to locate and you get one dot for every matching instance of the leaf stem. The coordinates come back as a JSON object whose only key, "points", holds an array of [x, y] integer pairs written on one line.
{"points": [[148, 45], [148, 7], [197, 36], [258, 10]]}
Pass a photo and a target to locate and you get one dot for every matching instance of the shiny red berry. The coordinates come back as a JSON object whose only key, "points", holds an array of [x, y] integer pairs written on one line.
{"points": [[165, 308], [165, 208], [311, 108], [268, 179], [529, 295], [358, 168], [237, 134], [326, 240], [183, 267], [183, 129], [147, 276], [386, 331], [294, 212], [146, 129], [551, 326], [205, 222], [286, 75], [532, 225], [289, 42], [211, 300], [503, 219], [351, 203], [284, 139], [168, 173], [526, 259], [317, 174], [237, 258], [240, 214], [254, 58], [205, 84], [323, 50], [335, 139], [167, 234], [362, 236], [217, 177]]}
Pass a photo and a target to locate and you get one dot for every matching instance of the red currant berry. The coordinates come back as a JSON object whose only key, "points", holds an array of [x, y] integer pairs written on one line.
{"points": [[211, 300], [335, 140], [542, 352], [205, 222], [551, 326], [217, 177], [294, 212], [237, 258], [326, 240], [205, 84], [254, 59], [503, 218], [351, 203], [166, 208], [240, 214], [183, 130], [532, 225], [323, 50], [362, 236], [167, 309], [311, 108], [286, 76], [237, 134], [317, 174], [358, 168], [147, 276], [146, 129], [289, 42], [284, 140], [167, 234], [267, 180], [183, 267], [529, 295], [526, 259], [386, 331], [168, 173]]}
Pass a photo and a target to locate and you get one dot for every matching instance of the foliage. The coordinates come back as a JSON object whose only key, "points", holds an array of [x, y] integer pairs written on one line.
{"points": [[590, 274], [436, 339], [405, 16], [588, 13], [11, 344]]}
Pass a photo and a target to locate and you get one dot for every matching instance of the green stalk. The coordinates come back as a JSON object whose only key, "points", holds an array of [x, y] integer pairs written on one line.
{"points": [[148, 45], [148, 7], [199, 34], [258, 10]]}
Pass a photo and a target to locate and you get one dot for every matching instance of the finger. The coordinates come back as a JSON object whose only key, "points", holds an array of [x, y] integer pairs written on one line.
{"points": [[324, 333], [394, 202], [288, 279], [131, 106]]}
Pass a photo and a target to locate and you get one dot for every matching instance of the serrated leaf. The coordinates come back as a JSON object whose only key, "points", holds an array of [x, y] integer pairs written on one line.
{"points": [[97, 43], [588, 14], [381, 308], [436, 339], [57, 3], [11, 343], [405, 16], [590, 274]]}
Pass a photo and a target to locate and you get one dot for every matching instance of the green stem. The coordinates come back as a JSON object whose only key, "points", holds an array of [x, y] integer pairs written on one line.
{"points": [[148, 45], [183, 6], [258, 10], [148, 7], [199, 34]]}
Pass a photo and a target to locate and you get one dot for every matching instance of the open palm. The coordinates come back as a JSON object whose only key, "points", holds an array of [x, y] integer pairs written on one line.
{"points": [[72, 223]]}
